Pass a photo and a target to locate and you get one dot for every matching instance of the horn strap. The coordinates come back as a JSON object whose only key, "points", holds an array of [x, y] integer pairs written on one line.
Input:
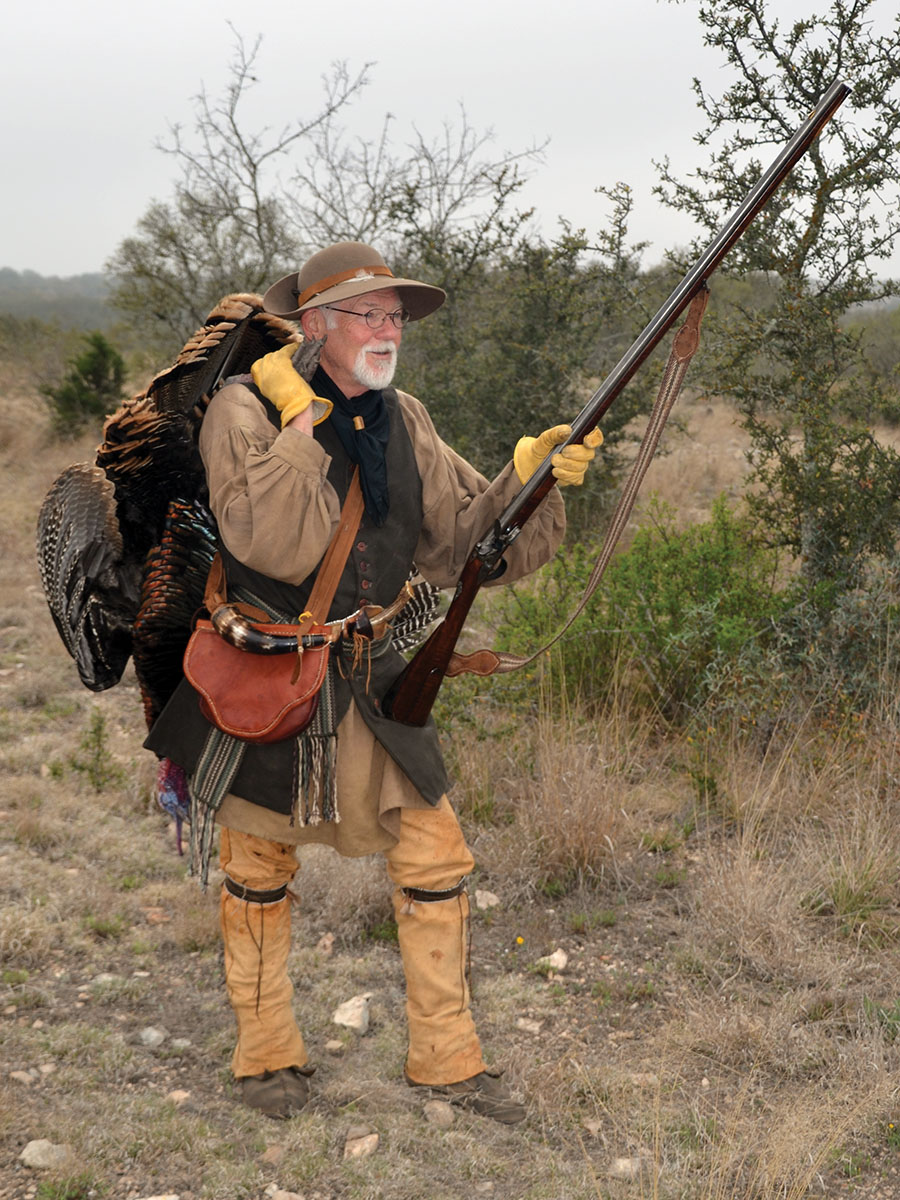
{"points": [[322, 285]]}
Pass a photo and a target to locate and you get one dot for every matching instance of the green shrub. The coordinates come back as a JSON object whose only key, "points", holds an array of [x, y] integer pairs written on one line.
{"points": [[699, 625], [95, 760], [110, 926], [91, 388], [832, 656], [667, 611]]}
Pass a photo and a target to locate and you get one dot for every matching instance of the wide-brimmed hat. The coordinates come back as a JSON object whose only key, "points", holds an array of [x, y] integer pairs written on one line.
{"points": [[343, 270]]}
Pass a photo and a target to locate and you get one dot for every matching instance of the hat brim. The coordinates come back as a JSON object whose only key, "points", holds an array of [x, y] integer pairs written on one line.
{"points": [[419, 299]]}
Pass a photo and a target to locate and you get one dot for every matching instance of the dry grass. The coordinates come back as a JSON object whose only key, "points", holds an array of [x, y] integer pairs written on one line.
{"points": [[569, 798], [727, 1022]]}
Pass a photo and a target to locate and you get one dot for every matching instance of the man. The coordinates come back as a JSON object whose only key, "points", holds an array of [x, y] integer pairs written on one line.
{"points": [[279, 455]]}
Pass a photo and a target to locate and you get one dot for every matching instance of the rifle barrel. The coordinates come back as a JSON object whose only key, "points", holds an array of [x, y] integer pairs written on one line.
{"points": [[410, 698], [755, 200]]}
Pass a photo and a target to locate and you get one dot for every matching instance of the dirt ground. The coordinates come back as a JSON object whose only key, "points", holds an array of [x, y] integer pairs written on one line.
{"points": [[663, 1060]]}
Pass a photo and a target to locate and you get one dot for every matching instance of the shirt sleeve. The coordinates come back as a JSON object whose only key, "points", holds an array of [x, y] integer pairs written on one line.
{"points": [[257, 474], [459, 504]]}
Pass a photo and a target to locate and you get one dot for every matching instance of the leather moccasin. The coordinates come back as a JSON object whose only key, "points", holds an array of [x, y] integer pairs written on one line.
{"points": [[485, 1094], [277, 1094]]}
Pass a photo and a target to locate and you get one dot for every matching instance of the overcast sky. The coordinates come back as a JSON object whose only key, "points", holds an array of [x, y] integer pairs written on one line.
{"points": [[87, 90]]}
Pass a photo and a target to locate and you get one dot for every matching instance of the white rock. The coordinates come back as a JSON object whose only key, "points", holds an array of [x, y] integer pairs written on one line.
{"points": [[626, 1168], [178, 1097], [557, 961], [26, 1077], [644, 1079], [281, 1194], [181, 1044], [105, 980], [361, 1147], [325, 944], [439, 1113], [44, 1155], [528, 1026], [485, 899], [354, 1013], [334, 1046], [152, 1037]]}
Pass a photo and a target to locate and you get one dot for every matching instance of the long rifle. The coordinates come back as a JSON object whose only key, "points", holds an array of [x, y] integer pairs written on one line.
{"points": [[413, 693]]}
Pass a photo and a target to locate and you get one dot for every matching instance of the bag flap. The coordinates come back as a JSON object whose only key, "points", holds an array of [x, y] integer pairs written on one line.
{"points": [[251, 691]]}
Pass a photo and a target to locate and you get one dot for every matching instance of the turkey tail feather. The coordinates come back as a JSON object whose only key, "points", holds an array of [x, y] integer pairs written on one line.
{"points": [[92, 593]]}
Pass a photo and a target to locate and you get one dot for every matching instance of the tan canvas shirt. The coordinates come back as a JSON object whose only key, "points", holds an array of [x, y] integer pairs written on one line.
{"points": [[266, 487], [259, 479]]}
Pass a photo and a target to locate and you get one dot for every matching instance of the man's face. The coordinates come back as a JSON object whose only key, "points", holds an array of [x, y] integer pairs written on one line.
{"points": [[356, 357]]}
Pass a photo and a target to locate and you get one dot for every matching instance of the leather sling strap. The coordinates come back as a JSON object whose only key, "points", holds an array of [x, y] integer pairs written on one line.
{"points": [[332, 566], [330, 570], [684, 347]]}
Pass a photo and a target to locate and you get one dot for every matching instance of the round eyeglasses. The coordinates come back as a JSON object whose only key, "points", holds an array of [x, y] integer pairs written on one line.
{"points": [[376, 317]]}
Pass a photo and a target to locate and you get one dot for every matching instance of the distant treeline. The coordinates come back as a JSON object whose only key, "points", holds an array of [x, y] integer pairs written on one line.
{"points": [[32, 306], [75, 302]]}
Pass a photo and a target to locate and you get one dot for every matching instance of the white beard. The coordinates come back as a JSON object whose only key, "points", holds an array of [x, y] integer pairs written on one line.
{"points": [[378, 374]]}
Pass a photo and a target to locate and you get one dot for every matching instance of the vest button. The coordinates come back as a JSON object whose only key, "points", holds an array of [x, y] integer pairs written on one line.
{"points": [[366, 584], [360, 545]]}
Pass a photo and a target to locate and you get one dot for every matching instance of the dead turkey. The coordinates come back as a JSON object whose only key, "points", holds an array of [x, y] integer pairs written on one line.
{"points": [[125, 543]]}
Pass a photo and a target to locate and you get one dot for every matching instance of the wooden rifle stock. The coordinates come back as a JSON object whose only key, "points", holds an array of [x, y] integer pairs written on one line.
{"points": [[411, 697]]}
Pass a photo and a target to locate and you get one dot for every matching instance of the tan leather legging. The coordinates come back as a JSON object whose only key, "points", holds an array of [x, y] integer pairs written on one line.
{"points": [[431, 855]]}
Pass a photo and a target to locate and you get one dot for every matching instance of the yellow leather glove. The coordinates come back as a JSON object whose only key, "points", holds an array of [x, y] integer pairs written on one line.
{"points": [[275, 376], [569, 465]]}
